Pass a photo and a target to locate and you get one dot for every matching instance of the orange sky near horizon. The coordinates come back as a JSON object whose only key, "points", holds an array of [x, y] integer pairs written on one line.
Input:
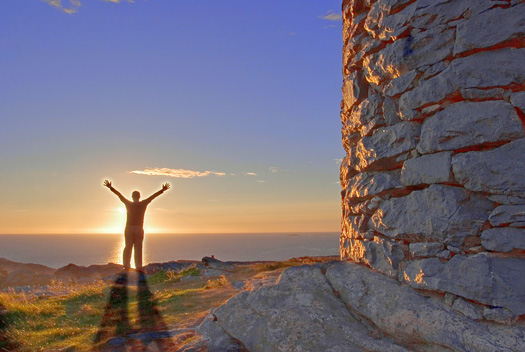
{"points": [[97, 210]]}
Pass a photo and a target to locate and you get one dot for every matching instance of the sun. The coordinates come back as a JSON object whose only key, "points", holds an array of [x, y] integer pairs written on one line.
{"points": [[116, 221]]}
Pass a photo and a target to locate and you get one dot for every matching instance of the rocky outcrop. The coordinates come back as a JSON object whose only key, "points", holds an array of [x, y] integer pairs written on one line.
{"points": [[22, 274], [341, 306], [433, 192], [82, 274]]}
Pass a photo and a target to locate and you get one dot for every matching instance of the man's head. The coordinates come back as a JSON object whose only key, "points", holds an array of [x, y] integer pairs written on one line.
{"points": [[135, 195]]}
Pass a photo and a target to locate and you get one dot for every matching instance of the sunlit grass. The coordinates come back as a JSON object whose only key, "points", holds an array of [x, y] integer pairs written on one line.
{"points": [[71, 320], [34, 323]]}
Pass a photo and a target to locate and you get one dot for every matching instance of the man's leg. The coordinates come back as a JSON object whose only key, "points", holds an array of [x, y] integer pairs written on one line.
{"points": [[137, 244], [126, 254]]}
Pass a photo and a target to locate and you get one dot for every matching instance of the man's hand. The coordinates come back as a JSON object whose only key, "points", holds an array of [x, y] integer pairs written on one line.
{"points": [[165, 186], [107, 183]]}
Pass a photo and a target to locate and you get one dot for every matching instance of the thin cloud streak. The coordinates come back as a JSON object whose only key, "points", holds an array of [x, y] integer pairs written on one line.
{"points": [[332, 16], [118, 1], [76, 4], [177, 173], [250, 174], [58, 5]]}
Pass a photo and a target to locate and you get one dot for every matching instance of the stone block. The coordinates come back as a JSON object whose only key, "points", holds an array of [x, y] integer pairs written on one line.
{"points": [[368, 44], [355, 208], [433, 70], [400, 84], [444, 254], [378, 253], [425, 249], [380, 24], [346, 171], [488, 28], [390, 112], [406, 54], [441, 213], [468, 309], [351, 248], [518, 100], [354, 225], [427, 169], [486, 69], [430, 109], [483, 278], [507, 215], [453, 249], [370, 183], [365, 112], [503, 239], [443, 11], [506, 199], [354, 89], [482, 94], [382, 255], [498, 171], [386, 142], [466, 124], [363, 207], [410, 115], [423, 14]]}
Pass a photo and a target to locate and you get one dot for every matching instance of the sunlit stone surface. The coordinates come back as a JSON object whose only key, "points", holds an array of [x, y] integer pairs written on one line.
{"points": [[433, 181]]}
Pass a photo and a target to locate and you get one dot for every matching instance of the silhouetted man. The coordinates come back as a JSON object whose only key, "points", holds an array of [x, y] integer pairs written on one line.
{"points": [[134, 233]]}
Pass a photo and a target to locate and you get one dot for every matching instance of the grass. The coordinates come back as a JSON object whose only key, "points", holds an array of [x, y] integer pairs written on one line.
{"points": [[34, 324], [70, 322]]}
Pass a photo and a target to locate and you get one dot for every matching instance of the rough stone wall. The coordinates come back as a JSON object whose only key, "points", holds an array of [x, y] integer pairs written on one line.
{"points": [[433, 181]]}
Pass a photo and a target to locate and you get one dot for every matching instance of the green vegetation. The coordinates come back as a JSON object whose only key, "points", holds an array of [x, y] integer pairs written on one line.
{"points": [[34, 324], [171, 276], [71, 319]]}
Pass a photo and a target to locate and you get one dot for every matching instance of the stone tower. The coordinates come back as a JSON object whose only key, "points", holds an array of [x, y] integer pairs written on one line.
{"points": [[433, 181]]}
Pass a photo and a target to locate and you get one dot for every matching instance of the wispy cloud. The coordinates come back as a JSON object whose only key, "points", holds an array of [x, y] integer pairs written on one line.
{"points": [[178, 173], [332, 16], [117, 1], [70, 9], [338, 161], [250, 174], [71, 6], [261, 181], [273, 169]]}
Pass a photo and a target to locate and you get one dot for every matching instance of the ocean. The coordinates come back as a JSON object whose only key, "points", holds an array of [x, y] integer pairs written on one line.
{"points": [[59, 250]]}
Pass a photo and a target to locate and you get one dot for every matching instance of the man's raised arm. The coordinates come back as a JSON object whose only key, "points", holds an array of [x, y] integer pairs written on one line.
{"points": [[165, 187], [121, 197]]}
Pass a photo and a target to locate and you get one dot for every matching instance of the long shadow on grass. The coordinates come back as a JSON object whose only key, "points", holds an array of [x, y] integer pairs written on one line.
{"points": [[115, 325], [5, 343]]}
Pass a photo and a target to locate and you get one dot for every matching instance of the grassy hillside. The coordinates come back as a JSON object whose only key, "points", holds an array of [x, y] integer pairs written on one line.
{"points": [[84, 317]]}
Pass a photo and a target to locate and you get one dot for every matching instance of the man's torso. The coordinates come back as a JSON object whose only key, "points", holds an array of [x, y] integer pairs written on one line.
{"points": [[136, 212]]}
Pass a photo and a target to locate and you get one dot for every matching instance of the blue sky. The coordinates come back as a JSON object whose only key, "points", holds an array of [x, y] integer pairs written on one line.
{"points": [[235, 103]]}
